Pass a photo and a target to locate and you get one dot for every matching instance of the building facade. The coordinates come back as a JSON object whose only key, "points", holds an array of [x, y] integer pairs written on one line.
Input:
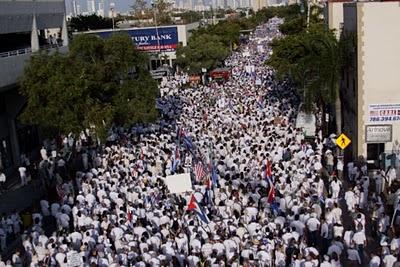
{"points": [[334, 15], [371, 84], [25, 28]]}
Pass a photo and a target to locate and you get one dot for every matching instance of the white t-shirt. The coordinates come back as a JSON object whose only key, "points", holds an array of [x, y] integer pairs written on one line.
{"points": [[359, 238], [2, 177], [22, 171]]}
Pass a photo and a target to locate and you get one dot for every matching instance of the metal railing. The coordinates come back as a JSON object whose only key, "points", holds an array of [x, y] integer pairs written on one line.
{"points": [[16, 52], [28, 50]]}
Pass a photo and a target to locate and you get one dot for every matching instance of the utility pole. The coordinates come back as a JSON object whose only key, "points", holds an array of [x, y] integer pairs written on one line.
{"points": [[308, 13], [154, 5]]}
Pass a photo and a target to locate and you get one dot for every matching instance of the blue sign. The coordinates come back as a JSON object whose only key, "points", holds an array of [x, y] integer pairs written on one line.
{"points": [[149, 39]]}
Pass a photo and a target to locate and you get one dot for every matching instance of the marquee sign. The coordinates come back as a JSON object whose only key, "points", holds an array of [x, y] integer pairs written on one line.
{"points": [[378, 133]]}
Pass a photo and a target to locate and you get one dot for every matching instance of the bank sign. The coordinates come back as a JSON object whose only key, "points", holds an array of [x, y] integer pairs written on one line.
{"points": [[150, 39]]}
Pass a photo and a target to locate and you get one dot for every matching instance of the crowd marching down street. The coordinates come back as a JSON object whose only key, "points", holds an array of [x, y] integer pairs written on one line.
{"points": [[263, 194]]}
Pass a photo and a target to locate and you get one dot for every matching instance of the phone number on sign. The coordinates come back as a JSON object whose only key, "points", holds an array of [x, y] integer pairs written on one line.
{"points": [[388, 118]]}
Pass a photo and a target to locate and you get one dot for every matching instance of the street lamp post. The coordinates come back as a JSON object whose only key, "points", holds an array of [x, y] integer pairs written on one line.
{"points": [[154, 5], [112, 15]]}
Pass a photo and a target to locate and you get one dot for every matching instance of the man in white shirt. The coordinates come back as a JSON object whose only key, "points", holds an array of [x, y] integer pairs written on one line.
{"points": [[22, 175], [389, 260], [313, 227], [360, 241], [2, 180]]}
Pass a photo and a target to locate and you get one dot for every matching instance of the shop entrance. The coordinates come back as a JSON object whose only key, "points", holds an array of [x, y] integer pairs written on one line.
{"points": [[374, 155]]}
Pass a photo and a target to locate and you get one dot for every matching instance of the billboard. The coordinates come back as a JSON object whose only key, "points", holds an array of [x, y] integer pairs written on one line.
{"points": [[163, 39], [379, 113]]}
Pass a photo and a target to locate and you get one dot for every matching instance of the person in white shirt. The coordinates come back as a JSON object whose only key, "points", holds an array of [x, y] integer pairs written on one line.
{"points": [[313, 225], [360, 241], [43, 153], [22, 175], [2, 181], [375, 260], [389, 260]]}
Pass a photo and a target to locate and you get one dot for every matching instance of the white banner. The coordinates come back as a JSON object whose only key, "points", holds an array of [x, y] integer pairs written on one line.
{"points": [[179, 183], [378, 133], [378, 113]]}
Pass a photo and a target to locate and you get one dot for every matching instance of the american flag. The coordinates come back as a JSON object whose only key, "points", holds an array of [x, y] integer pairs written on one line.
{"points": [[199, 171]]}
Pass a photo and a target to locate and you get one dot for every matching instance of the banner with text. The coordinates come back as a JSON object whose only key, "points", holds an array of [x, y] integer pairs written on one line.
{"points": [[383, 113], [162, 39]]}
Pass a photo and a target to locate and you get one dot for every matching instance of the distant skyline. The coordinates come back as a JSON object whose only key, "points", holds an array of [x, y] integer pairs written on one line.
{"points": [[120, 5]]}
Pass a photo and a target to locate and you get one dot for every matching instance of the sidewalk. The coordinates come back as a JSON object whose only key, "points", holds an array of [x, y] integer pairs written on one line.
{"points": [[20, 198]]}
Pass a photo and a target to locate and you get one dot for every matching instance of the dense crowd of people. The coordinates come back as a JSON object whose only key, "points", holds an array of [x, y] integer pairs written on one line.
{"points": [[263, 194]]}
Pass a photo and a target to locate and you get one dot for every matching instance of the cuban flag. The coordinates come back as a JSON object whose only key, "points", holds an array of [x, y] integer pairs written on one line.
{"points": [[195, 206], [271, 194], [268, 176], [268, 171]]}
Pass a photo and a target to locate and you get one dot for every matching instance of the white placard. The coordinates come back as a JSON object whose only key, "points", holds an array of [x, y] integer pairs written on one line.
{"points": [[378, 133], [378, 113], [74, 259], [179, 183]]}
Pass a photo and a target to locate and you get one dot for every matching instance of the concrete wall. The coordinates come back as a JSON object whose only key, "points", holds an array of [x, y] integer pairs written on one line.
{"points": [[13, 67], [379, 62]]}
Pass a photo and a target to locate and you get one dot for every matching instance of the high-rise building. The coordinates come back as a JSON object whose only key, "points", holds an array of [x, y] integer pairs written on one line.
{"points": [[91, 6], [74, 6], [100, 10], [258, 4]]}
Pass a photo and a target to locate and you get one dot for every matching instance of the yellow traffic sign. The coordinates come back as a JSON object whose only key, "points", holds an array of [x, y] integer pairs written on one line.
{"points": [[343, 141]]}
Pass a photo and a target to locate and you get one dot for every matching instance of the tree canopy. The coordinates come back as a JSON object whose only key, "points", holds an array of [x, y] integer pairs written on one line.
{"points": [[202, 51], [98, 83], [311, 59], [89, 22]]}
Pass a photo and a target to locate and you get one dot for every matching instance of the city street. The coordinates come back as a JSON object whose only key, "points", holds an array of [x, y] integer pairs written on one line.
{"points": [[254, 190]]}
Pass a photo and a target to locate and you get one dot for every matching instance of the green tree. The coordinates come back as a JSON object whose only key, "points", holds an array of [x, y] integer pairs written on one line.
{"points": [[162, 12], [141, 10], [203, 51], [293, 26], [312, 60], [96, 84], [89, 22]]}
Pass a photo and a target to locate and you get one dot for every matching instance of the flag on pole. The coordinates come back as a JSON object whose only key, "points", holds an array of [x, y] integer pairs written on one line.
{"points": [[195, 206]]}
